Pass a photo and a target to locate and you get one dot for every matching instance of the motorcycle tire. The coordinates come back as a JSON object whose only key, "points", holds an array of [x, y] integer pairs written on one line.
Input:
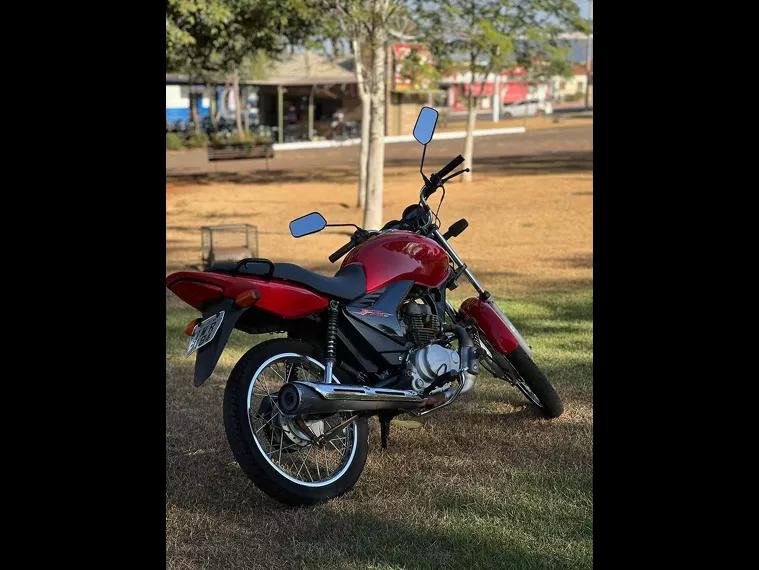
{"points": [[249, 454]]}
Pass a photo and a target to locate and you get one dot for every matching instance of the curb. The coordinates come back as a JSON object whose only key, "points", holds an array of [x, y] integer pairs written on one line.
{"points": [[396, 139]]}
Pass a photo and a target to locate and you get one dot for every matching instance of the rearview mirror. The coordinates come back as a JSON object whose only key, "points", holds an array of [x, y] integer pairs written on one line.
{"points": [[308, 224], [425, 125]]}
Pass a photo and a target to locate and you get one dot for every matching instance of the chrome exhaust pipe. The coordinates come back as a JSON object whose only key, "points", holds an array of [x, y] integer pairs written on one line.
{"points": [[301, 398]]}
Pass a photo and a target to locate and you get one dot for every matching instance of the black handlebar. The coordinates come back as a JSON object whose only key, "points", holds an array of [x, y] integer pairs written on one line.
{"points": [[435, 179], [342, 251], [448, 168]]}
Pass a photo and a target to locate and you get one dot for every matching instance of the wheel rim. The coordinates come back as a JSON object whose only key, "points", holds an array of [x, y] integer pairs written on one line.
{"points": [[497, 370], [282, 441], [527, 391]]}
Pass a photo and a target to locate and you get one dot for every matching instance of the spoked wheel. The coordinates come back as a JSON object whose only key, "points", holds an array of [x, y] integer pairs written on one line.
{"points": [[298, 461], [519, 369]]}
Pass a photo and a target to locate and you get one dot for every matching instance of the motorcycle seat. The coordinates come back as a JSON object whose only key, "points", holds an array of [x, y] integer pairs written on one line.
{"points": [[348, 283]]}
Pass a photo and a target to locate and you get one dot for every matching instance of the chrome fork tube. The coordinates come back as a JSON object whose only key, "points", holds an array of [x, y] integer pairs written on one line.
{"points": [[454, 256]]}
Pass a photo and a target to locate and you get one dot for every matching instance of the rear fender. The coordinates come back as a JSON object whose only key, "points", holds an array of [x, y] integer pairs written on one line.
{"points": [[208, 356], [286, 300], [213, 292], [495, 325]]}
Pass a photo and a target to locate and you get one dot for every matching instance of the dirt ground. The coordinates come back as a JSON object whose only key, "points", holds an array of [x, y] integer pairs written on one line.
{"points": [[554, 121], [526, 232]]}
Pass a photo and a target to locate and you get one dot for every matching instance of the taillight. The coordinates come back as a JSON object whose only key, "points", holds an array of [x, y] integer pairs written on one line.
{"points": [[190, 328]]}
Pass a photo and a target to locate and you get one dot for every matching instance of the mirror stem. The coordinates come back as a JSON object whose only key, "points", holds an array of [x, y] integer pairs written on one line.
{"points": [[341, 225], [421, 167]]}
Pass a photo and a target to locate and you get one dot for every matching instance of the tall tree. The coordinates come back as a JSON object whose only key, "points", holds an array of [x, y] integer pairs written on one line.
{"points": [[206, 38], [487, 35], [194, 32], [267, 26], [366, 23], [352, 17]]}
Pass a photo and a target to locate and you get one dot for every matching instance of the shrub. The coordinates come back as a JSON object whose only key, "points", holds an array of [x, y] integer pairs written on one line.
{"points": [[237, 138], [196, 140], [173, 142], [221, 137]]}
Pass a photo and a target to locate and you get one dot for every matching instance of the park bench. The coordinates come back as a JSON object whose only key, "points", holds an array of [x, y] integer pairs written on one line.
{"points": [[240, 151]]}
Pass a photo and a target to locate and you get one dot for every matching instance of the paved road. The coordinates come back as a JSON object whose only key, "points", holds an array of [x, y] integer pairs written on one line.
{"points": [[546, 150]]}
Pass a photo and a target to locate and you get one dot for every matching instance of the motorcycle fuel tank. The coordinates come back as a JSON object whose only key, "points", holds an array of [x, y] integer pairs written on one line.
{"points": [[401, 255]]}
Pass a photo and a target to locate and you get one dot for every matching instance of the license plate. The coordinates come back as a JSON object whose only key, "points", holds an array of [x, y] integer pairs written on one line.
{"points": [[204, 332]]}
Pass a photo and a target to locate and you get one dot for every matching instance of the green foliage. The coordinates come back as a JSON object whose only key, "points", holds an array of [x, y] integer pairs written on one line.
{"points": [[243, 138], [422, 74], [173, 142], [197, 140], [206, 38], [255, 65], [195, 32], [495, 34]]}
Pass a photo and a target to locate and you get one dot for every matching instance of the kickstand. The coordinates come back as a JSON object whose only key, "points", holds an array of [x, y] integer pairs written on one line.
{"points": [[384, 420]]}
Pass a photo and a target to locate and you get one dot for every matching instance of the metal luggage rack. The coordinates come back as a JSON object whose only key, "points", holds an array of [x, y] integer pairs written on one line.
{"points": [[229, 242]]}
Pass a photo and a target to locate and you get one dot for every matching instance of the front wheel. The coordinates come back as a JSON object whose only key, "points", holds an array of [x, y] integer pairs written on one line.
{"points": [[278, 452], [534, 384]]}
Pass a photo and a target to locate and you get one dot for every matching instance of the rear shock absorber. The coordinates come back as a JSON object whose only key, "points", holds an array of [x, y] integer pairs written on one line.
{"points": [[329, 361]]}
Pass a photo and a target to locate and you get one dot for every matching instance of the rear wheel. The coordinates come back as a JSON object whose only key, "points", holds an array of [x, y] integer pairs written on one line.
{"points": [[278, 452]]}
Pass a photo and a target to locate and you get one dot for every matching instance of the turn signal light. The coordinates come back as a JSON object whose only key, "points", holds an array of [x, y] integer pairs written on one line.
{"points": [[247, 298], [190, 328]]}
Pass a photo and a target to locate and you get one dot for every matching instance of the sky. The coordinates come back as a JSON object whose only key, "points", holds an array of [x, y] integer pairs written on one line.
{"points": [[577, 54], [583, 4]]}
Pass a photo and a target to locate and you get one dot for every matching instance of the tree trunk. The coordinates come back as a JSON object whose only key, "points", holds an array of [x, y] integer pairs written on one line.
{"points": [[194, 114], [213, 107], [470, 122], [373, 214], [363, 173], [238, 103], [246, 115], [363, 93]]}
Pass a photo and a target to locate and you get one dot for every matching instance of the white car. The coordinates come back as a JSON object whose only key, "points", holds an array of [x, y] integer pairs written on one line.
{"points": [[527, 108]]}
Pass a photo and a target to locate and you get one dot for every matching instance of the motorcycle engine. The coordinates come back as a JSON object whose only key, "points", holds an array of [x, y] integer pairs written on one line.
{"points": [[426, 363]]}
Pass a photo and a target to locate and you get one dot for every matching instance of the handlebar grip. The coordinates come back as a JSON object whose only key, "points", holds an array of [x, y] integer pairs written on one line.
{"points": [[342, 251], [448, 168]]}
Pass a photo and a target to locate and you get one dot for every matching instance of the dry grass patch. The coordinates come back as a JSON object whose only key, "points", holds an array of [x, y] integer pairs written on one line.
{"points": [[527, 233], [484, 484], [555, 121]]}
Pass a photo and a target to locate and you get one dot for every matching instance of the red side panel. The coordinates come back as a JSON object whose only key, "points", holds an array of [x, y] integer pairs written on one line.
{"points": [[490, 321], [289, 301]]}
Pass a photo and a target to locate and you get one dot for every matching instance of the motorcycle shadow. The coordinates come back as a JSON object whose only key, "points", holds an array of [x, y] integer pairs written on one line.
{"points": [[517, 414], [213, 483]]}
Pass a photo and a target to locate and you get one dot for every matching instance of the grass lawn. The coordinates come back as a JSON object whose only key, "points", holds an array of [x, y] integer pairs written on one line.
{"points": [[484, 484]]}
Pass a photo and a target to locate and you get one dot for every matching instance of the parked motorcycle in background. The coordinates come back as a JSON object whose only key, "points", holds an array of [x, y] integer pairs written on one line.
{"points": [[378, 338]]}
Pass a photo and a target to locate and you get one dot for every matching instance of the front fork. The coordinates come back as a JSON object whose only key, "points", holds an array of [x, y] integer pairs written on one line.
{"points": [[483, 294]]}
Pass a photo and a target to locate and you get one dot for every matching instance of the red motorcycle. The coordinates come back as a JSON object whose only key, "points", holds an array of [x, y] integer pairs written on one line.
{"points": [[378, 338]]}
